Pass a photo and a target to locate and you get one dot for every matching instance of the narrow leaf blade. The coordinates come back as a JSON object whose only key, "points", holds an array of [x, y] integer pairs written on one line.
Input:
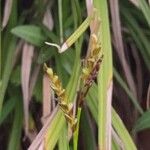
{"points": [[30, 33]]}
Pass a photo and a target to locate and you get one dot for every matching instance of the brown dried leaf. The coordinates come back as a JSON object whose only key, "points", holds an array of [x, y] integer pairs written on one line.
{"points": [[7, 12], [25, 76], [108, 107], [89, 6], [94, 25], [48, 20], [117, 139], [34, 76], [148, 98], [46, 97], [40, 137], [135, 2], [118, 43], [41, 147]]}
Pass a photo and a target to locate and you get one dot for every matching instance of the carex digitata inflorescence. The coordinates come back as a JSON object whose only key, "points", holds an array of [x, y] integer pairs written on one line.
{"points": [[90, 69]]}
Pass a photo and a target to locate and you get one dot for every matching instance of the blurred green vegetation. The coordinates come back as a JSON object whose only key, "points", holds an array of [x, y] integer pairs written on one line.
{"points": [[23, 52]]}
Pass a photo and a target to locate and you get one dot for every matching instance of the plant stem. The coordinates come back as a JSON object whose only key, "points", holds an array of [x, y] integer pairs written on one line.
{"points": [[76, 133], [60, 20]]}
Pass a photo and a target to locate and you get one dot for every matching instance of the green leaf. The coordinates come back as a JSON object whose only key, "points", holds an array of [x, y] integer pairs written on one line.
{"points": [[14, 142], [7, 70], [76, 133], [86, 130], [7, 108], [31, 33], [122, 132], [92, 101], [138, 35], [16, 76], [114, 145], [45, 54], [67, 61], [7, 52], [37, 91], [53, 134], [145, 9], [143, 122], [116, 120], [104, 76], [63, 142]]}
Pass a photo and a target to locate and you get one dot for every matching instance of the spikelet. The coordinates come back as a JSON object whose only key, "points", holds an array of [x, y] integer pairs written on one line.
{"points": [[90, 69], [56, 85], [92, 62]]}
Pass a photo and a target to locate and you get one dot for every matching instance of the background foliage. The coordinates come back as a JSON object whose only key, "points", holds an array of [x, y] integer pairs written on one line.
{"points": [[28, 111]]}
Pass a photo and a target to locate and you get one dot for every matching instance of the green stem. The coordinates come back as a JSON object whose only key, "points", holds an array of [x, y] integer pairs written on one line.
{"points": [[76, 133], [60, 20]]}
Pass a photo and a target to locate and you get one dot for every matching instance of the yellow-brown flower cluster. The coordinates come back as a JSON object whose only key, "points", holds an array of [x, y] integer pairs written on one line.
{"points": [[62, 98], [92, 62], [90, 68], [89, 74]]}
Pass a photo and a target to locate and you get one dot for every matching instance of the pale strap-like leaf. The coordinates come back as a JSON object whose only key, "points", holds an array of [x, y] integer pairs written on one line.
{"points": [[7, 12], [48, 20], [46, 98], [116, 26], [25, 76], [40, 137]]}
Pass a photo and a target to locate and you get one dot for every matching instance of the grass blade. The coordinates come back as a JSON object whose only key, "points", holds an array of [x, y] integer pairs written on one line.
{"points": [[60, 20], [86, 131], [30, 33], [27, 55], [143, 122], [117, 123], [7, 108], [122, 132], [14, 142], [7, 12], [63, 143], [78, 32], [137, 34], [7, 70], [145, 9], [104, 79], [76, 133]]}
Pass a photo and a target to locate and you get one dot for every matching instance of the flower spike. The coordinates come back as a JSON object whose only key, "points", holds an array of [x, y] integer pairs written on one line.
{"points": [[56, 85]]}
